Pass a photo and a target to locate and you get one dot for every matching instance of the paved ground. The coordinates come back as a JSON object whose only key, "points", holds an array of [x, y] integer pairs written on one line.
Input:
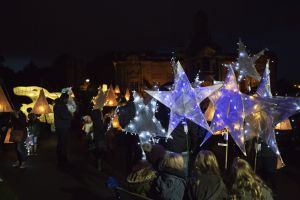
{"points": [[42, 179]]}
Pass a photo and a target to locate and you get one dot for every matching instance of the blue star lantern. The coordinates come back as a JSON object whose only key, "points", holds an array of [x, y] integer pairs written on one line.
{"points": [[229, 111]]}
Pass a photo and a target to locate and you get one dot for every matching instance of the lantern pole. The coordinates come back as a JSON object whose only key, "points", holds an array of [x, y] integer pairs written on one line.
{"points": [[225, 132]]}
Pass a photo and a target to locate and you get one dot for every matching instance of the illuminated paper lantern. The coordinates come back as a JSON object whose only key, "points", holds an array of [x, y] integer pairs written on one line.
{"points": [[41, 106], [284, 125], [33, 93], [209, 113], [117, 89], [7, 137], [115, 123], [127, 95], [104, 87], [99, 100], [4, 104], [111, 98]]}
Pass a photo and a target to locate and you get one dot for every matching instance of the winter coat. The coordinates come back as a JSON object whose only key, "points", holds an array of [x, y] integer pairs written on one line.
{"points": [[170, 185], [34, 128], [20, 124], [141, 181], [98, 125], [62, 116], [206, 187], [266, 195]]}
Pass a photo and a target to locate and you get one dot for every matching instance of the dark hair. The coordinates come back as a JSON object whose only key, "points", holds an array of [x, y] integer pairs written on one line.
{"points": [[29, 109], [64, 96]]}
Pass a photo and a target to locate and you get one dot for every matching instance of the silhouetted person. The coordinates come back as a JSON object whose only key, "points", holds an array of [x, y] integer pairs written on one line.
{"points": [[62, 121], [99, 136], [18, 123], [4, 121]]}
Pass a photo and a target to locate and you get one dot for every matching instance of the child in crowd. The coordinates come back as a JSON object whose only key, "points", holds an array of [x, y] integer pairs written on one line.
{"points": [[206, 182], [171, 181], [141, 178], [245, 184]]}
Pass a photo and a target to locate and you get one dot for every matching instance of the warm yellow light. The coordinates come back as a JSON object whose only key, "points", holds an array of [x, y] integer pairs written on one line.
{"points": [[284, 125], [42, 109], [127, 95], [104, 87], [242, 139], [210, 111], [236, 126], [33, 93], [110, 98], [117, 89], [4, 104], [115, 123]]}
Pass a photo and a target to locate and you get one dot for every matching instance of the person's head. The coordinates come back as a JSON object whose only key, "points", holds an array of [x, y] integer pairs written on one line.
{"points": [[64, 97], [147, 147], [206, 161], [243, 179], [156, 154], [172, 160], [29, 110]]}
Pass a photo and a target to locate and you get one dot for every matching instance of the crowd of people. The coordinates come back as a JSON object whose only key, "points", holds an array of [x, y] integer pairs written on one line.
{"points": [[168, 181]]}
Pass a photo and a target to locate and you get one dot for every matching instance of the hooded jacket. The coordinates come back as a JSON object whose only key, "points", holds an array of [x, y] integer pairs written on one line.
{"points": [[170, 184]]}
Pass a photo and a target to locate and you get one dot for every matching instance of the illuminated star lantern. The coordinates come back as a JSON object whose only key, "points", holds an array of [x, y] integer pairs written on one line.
{"points": [[182, 102], [229, 111], [144, 123], [245, 64], [279, 109], [41, 106], [204, 92]]}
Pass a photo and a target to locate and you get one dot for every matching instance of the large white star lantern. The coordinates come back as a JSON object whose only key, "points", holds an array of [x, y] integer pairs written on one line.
{"points": [[182, 101], [144, 123], [245, 64]]}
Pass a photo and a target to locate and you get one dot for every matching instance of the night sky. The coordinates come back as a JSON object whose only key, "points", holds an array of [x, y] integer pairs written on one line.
{"points": [[41, 30]]}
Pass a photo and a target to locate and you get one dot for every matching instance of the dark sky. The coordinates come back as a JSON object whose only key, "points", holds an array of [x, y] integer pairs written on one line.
{"points": [[40, 30]]}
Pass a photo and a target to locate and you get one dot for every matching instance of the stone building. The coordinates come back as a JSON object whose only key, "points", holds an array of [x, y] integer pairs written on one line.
{"points": [[140, 70]]}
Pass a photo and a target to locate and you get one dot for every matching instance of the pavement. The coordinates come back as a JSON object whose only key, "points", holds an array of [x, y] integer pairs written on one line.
{"points": [[43, 180]]}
